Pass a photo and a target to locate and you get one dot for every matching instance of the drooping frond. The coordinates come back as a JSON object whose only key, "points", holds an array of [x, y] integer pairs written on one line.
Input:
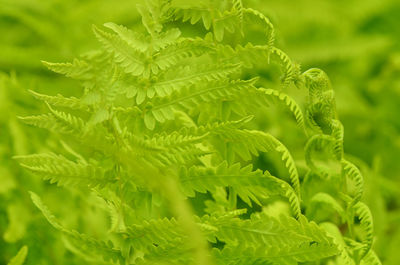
{"points": [[95, 247], [246, 143], [288, 101], [287, 65], [269, 141], [270, 32]]}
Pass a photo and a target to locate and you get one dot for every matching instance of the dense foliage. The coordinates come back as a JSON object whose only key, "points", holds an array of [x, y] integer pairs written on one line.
{"points": [[182, 140]]}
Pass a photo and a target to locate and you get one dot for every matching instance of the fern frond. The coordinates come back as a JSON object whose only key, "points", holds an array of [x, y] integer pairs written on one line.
{"points": [[270, 33], [238, 6], [152, 13], [246, 143], [162, 140], [319, 246], [133, 39], [125, 56], [366, 223], [67, 125], [165, 39], [45, 211], [226, 20], [92, 246], [167, 149], [60, 170], [353, 173], [317, 83], [259, 230], [248, 184], [61, 101], [269, 141], [173, 54], [220, 20], [289, 70], [294, 200], [249, 55], [176, 142], [193, 12], [320, 118], [163, 108], [185, 76], [78, 69], [46, 121], [219, 127], [155, 231], [288, 101], [289, 164], [338, 134], [216, 128]]}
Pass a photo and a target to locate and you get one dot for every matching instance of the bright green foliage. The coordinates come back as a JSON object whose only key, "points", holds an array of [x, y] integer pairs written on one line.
{"points": [[20, 257], [357, 42], [165, 144]]}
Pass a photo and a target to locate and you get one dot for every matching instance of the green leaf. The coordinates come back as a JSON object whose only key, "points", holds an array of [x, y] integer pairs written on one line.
{"points": [[19, 259]]}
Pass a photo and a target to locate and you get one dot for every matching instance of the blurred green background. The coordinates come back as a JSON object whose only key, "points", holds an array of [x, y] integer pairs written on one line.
{"points": [[357, 42]]}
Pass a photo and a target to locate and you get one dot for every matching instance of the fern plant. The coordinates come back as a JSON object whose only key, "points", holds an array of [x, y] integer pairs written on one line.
{"points": [[165, 136]]}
